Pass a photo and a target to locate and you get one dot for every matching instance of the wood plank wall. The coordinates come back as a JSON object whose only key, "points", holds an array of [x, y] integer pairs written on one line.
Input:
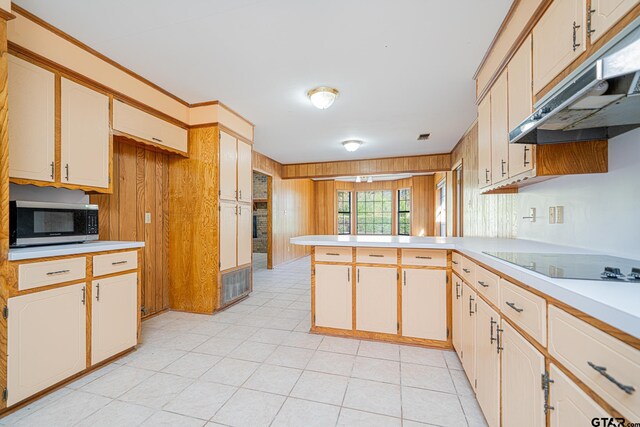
{"points": [[140, 185], [493, 215], [292, 210]]}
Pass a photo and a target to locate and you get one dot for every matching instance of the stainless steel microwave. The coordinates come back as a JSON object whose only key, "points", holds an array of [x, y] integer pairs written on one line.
{"points": [[47, 223]]}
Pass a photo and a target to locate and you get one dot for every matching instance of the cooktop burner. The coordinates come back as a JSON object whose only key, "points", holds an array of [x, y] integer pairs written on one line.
{"points": [[575, 266]]}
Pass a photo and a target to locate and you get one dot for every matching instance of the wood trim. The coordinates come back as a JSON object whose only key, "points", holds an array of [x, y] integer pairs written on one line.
{"points": [[376, 336], [25, 13], [6, 16], [221, 104], [135, 140]]}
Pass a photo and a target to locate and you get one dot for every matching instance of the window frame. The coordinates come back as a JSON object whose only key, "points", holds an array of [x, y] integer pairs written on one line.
{"points": [[391, 213], [441, 207], [339, 212], [398, 211]]}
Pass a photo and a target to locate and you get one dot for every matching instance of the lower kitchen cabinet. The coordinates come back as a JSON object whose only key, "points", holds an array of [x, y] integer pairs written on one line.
{"points": [[114, 316], [377, 299], [522, 370], [488, 362], [456, 314], [571, 407], [468, 352], [46, 339], [424, 304], [333, 296]]}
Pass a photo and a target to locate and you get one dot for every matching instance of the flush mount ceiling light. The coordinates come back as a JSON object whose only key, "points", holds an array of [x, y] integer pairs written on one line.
{"points": [[351, 145], [370, 179], [322, 97], [358, 179]]}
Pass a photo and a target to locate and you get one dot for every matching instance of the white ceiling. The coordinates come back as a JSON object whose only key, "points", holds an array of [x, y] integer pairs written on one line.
{"points": [[403, 67]]}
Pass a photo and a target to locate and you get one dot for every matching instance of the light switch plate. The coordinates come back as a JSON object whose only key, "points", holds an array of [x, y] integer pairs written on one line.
{"points": [[552, 214], [559, 214], [147, 217]]}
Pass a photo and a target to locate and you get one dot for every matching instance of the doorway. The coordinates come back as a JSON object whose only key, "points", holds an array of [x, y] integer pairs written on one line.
{"points": [[262, 208]]}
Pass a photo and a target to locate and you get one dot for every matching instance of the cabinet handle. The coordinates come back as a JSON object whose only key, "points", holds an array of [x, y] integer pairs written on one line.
{"points": [[119, 262], [502, 167], [240, 194], [457, 289], [575, 37], [486, 176], [491, 323], [471, 299], [590, 29], [525, 156], [358, 278], [423, 257], [332, 254], [376, 255], [97, 291], [513, 305], [482, 284], [603, 371], [348, 274], [455, 262], [84, 296], [66, 167], [499, 347], [404, 273], [240, 210], [466, 270], [156, 139], [55, 273], [52, 169]]}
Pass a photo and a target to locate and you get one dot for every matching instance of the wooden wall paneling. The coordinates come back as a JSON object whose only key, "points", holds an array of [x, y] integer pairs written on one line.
{"points": [[423, 216], [149, 192], [325, 208], [4, 201]]}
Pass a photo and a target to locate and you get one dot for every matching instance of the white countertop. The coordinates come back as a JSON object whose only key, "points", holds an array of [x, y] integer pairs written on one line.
{"points": [[18, 254], [615, 303]]}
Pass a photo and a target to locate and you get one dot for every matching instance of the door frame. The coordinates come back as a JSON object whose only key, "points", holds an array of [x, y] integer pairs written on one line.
{"points": [[269, 216]]}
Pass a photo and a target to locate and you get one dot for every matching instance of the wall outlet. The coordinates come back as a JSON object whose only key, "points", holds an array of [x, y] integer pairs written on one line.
{"points": [[552, 214], [532, 215], [147, 217], [559, 214]]}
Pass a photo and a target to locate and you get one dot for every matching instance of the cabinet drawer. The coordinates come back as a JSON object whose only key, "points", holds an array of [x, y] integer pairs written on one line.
{"points": [[597, 359], [456, 262], [46, 273], [377, 255], [488, 284], [114, 263], [333, 254], [527, 310], [424, 257], [469, 271]]}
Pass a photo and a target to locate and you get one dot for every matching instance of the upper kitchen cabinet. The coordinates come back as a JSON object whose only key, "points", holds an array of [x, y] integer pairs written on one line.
{"points": [[85, 147], [31, 121], [484, 142], [149, 129], [228, 167], [604, 14], [520, 106], [499, 131], [558, 39]]}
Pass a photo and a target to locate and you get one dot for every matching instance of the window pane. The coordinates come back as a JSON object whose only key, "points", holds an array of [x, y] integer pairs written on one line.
{"points": [[404, 211], [374, 215]]}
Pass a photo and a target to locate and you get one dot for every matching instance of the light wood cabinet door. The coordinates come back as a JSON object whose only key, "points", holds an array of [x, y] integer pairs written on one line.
{"points": [[499, 131], [457, 298], [245, 172], [85, 144], [333, 296], [377, 299], [522, 370], [488, 360], [31, 121], [484, 142], [572, 407], [605, 14], [245, 235], [424, 304], [228, 167], [114, 316], [469, 310], [558, 39], [520, 106], [46, 339], [228, 236]]}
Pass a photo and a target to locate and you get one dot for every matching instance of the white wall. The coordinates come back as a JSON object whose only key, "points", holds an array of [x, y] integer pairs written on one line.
{"points": [[46, 194], [601, 211]]}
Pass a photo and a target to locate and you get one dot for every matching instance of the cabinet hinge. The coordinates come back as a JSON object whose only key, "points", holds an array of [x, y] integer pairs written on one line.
{"points": [[397, 276], [398, 326], [475, 382], [5, 312], [5, 394], [447, 332], [447, 280]]}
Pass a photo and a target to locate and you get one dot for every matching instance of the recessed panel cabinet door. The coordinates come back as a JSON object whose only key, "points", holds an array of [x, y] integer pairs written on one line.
{"points": [[245, 172], [85, 145], [522, 370], [606, 13], [469, 309], [377, 299], [520, 106], [31, 121], [499, 131], [245, 236], [558, 39], [457, 306], [333, 296], [484, 142], [424, 304], [114, 326], [228, 167], [46, 339], [488, 360], [228, 242], [572, 407]]}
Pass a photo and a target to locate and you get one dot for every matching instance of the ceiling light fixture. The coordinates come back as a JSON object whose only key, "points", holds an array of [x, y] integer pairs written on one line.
{"points": [[351, 145], [358, 179], [322, 97], [370, 179]]}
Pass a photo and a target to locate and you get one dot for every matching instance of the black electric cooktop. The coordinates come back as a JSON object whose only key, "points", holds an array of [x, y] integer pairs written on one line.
{"points": [[575, 266]]}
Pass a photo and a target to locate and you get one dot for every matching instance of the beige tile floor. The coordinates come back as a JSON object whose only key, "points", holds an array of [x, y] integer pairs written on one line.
{"points": [[256, 364]]}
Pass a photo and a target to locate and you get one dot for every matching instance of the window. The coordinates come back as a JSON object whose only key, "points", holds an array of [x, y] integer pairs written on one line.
{"points": [[404, 212], [374, 211], [344, 212], [441, 210]]}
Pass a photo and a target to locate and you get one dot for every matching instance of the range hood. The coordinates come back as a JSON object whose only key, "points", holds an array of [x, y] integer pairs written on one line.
{"points": [[602, 101]]}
